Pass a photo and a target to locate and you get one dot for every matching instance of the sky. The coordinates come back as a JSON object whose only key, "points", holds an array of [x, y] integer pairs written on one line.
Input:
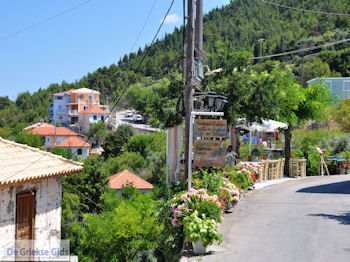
{"points": [[69, 46]]}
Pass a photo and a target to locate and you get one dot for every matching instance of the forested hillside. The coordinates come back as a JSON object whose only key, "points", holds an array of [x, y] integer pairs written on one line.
{"points": [[243, 25]]}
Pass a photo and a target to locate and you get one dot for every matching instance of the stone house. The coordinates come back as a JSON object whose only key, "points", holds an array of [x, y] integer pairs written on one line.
{"points": [[30, 195]]}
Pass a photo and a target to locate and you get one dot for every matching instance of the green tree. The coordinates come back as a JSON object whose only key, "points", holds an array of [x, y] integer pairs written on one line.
{"points": [[340, 113], [62, 152], [30, 139], [114, 142]]}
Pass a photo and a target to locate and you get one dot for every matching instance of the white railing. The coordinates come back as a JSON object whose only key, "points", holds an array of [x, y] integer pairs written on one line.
{"points": [[73, 112]]}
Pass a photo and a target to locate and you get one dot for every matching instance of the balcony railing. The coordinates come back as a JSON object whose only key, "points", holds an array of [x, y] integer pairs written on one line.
{"points": [[73, 112]]}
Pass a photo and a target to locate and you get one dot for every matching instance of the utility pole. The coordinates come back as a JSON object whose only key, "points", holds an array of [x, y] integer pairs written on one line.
{"points": [[189, 78], [199, 25]]}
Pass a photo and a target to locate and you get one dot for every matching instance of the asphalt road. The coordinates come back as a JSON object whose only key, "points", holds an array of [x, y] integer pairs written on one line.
{"points": [[302, 220]]}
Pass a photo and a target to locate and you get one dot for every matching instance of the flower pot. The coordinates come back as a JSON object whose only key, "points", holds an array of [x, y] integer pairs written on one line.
{"points": [[347, 171], [198, 247], [342, 171]]}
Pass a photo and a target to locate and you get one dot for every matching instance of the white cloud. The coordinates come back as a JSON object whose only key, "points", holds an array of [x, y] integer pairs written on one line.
{"points": [[171, 19]]}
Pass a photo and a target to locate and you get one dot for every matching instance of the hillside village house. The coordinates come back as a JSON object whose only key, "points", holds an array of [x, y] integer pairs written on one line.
{"points": [[54, 135], [41, 123], [30, 196], [67, 107], [124, 178], [79, 148], [91, 116]]}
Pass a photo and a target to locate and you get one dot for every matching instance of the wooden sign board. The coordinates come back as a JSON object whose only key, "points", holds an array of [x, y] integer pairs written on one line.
{"points": [[209, 153], [210, 128]]}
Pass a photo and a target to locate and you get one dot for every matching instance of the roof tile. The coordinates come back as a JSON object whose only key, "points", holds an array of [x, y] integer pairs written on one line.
{"points": [[124, 177]]}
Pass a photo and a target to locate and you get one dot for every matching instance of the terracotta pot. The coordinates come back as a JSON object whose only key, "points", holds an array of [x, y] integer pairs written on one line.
{"points": [[198, 248]]}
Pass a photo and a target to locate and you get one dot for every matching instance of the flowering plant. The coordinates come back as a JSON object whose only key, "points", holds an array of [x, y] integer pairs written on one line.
{"points": [[198, 226], [229, 192], [195, 200]]}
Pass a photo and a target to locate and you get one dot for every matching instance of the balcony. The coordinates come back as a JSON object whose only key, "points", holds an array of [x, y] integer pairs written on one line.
{"points": [[73, 112]]}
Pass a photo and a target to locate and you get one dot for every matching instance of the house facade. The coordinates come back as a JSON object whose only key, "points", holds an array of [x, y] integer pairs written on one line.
{"points": [[54, 135], [79, 148], [67, 105], [31, 195], [91, 116], [339, 86]]}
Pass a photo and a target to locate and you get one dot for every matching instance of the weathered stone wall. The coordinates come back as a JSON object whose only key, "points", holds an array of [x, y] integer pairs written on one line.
{"points": [[48, 197]]}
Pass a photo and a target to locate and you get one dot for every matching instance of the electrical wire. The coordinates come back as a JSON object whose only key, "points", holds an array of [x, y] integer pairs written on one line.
{"points": [[117, 100], [144, 25], [303, 10], [44, 20], [302, 50]]}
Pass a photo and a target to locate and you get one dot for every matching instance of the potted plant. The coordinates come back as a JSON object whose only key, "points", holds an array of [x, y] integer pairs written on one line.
{"points": [[201, 231]]}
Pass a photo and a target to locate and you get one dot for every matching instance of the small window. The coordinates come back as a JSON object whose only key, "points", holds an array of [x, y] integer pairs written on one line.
{"points": [[80, 96], [59, 98], [80, 151], [60, 117], [102, 118], [86, 107], [95, 117]]}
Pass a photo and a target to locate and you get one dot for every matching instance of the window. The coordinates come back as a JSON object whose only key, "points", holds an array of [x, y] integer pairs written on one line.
{"points": [[86, 107], [80, 151], [60, 117], [346, 85], [90, 97], [95, 117], [59, 98], [102, 118], [80, 96]]}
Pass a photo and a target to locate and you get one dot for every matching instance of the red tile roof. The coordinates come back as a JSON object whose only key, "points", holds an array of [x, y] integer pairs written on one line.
{"points": [[50, 131], [94, 110], [73, 141], [119, 180]]}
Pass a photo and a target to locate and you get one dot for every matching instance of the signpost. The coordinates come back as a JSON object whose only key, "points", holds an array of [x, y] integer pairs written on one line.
{"points": [[214, 153], [209, 153], [214, 128]]}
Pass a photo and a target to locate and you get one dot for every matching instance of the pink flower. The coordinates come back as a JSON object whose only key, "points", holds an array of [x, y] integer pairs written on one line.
{"points": [[192, 190], [202, 191], [244, 170], [173, 209], [174, 223], [215, 197], [225, 179]]}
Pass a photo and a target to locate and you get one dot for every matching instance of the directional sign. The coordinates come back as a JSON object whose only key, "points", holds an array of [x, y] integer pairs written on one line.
{"points": [[210, 128], [209, 153]]}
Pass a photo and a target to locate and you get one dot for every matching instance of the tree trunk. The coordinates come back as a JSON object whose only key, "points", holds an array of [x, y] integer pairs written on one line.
{"points": [[237, 140], [288, 138]]}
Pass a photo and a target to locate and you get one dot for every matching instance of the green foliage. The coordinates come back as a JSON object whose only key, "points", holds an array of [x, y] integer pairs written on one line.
{"points": [[98, 129], [128, 160], [128, 232], [62, 152], [340, 113], [91, 182], [114, 142], [210, 181], [30, 139], [171, 238], [196, 227]]}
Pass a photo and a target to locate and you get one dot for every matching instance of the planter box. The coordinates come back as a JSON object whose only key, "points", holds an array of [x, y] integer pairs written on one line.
{"points": [[198, 248]]}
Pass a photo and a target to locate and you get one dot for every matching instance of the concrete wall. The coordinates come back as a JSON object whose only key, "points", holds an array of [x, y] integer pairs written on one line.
{"points": [[85, 151], [60, 109], [48, 198]]}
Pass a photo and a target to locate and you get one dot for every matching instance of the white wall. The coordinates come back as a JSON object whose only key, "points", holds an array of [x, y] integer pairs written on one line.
{"points": [[85, 151], [48, 198], [60, 106], [86, 119]]}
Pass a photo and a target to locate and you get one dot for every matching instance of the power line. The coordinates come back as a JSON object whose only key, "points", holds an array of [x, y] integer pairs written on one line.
{"points": [[144, 25], [303, 10], [134, 73], [44, 20], [301, 50]]}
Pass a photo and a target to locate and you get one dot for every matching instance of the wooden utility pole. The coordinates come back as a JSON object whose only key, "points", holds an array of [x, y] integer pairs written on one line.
{"points": [[199, 26], [189, 78]]}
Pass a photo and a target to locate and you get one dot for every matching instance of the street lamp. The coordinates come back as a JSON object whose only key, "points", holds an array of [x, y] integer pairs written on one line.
{"points": [[211, 99], [220, 102]]}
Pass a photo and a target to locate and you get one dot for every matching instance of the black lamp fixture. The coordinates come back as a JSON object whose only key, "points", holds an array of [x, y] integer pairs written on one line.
{"points": [[211, 96], [220, 102]]}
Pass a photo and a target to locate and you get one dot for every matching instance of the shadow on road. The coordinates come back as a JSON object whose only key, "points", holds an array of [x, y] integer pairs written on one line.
{"points": [[343, 219], [334, 188]]}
